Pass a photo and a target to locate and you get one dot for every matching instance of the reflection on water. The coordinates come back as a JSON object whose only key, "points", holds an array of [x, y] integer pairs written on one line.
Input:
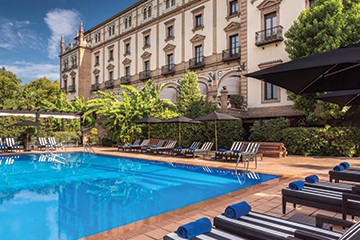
{"points": [[78, 195]]}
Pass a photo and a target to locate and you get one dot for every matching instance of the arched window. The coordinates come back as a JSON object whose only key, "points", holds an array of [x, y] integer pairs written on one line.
{"points": [[203, 88], [126, 23], [167, 3], [145, 13], [169, 93], [232, 84], [149, 11], [130, 21]]}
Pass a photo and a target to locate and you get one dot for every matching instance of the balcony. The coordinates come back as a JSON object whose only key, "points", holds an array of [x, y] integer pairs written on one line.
{"points": [[270, 35], [168, 69], [231, 54], [95, 87], [110, 83], [144, 75], [72, 88], [197, 62], [125, 80]]}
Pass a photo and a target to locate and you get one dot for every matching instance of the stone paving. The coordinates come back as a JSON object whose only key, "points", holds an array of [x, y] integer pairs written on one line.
{"points": [[264, 198]]}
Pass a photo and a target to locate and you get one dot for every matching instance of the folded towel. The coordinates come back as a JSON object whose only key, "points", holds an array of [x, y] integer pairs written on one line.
{"points": [[192, 229], [222, 150], [121, 145], [179, 147], [312, 179], [237, 151], [129, 144], [338, 168], [296, 185], [155, 146], [192, 149], [237, 210], [345, 164]]}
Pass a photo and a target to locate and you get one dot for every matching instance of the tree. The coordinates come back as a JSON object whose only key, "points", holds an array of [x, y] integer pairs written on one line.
{"points": [[328, 25], [191, 103], [10, 89]]}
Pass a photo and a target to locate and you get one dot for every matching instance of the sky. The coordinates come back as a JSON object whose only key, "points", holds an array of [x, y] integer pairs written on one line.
{"points": [[30, 31]]}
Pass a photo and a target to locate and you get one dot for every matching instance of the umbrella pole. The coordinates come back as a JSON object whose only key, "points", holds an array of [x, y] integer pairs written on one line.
{"points": [[216, 143], [179, 134], [149, 131], [27, 139]]}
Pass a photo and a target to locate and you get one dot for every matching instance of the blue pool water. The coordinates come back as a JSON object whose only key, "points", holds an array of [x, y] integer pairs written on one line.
{"points": [[42, 198]]}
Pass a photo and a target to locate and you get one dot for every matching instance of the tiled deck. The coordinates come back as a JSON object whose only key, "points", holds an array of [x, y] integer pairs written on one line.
{"points": [[265, 198]]}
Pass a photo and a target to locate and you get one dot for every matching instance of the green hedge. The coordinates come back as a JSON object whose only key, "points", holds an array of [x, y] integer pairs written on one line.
{"points": [[306, 141], [67, 137]]}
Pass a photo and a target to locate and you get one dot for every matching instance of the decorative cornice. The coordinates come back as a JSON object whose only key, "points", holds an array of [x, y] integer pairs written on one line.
{"points": [[169, 47], [146, 31], [64, 76], [232, 26], [110, 67], [171, 21], [197, 38], [73, 73], [126, 61], [268, 4], [199, 9], [96, 71], [146, 55], [127, 39]]}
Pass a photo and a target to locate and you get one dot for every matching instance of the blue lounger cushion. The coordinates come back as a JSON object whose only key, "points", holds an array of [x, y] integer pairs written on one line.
{"points": [[338, 168], [237, 210], [193, 229], [312, 179], [237, 151], [191, 149], [296, 185], [345, 164], [179, 147], [222, 150]]}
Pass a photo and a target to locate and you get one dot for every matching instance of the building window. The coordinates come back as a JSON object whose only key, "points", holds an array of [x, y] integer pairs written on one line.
{"points": [[147, 66], [111, 30], [233, 8], [234, 45], [96, 60], [111, 54], [111, 75], [271, 91], [97, 79], [270, 24], [127, 48], [97, 37], [169, 3], [126, 22], [145, 13], [198, 21], [198, 54], [170, 32], [130, 21], [127, 72], [146, 41], [170, 61], [73, 81], [149, 12], [65, 85]]}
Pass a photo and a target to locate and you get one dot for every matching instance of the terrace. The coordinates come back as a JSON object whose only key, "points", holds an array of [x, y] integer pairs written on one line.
{"points": [[264, 198]]}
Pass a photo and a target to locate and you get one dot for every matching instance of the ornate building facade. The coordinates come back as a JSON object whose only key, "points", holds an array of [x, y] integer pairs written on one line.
{"points": [[162, 39]]}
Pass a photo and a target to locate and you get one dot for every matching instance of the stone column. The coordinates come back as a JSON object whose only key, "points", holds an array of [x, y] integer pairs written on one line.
{"points": [[224, 99]]}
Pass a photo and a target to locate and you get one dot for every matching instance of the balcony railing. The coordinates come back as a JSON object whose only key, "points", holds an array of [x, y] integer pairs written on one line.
{"points": [[270, 35], [144, 75], [231, 54], [72, 88], [197, 62], [125, 80], [109, 83], [95, 87], [168, 69]]}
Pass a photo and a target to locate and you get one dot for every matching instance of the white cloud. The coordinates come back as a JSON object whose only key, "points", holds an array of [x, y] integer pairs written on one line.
{"points": [[61, 21], [29, 71], [15, 34]]}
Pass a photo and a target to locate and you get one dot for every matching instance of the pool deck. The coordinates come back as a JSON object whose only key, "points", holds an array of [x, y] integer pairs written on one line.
{"points": [[264, 198]]}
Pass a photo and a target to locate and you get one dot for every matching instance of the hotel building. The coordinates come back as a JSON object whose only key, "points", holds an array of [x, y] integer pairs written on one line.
{"points": [[162, 39]]}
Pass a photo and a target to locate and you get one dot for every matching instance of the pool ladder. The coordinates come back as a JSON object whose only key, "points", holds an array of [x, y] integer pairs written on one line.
{"points": [[246, 164], [88, 149]]}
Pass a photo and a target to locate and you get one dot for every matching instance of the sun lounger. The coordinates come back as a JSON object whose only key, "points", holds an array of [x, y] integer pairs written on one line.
{"points": [[124, 147], [160, 143], [250, 154], [43, 144], [214, 234], [180, 150], [331, 200], [344, 172], [235, 150], [137, 147], [240, 220], [54, 144], [2, 145], [206, 147], [168, 146], [11, 145]]}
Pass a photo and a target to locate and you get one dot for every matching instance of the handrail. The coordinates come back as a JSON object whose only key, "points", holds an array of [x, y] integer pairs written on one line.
{"points": [[88, 148]]}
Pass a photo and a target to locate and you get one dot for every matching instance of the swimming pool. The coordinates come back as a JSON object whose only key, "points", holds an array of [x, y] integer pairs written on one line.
{"points": [[73, 195]]}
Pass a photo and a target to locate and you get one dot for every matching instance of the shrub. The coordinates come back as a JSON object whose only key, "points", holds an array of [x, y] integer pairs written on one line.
{"points": [[268, 130], [73, 137], [106, 142], [93, 136], [236, 101]]}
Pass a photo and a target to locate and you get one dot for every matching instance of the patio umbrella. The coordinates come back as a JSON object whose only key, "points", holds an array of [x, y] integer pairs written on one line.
{"points": [[180, 120], [342, 98], [27, 124], [215, 116], [334, 70], [148, 121]]}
